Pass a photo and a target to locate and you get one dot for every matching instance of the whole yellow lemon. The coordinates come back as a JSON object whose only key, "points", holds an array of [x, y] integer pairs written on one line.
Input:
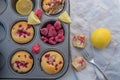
{"points": [[100, 37]]}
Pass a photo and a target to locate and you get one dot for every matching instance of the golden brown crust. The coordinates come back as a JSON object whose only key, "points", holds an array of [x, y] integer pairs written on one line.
{"points": [[79, 41], [52, 6], [21, 62], [52, 62], [21, 32], [79, 63]]}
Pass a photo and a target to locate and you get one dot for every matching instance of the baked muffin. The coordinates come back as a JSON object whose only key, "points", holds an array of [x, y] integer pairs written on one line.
{"points": [[21, 32], [79, 63], [24, 7], [52, 6], [79, 41], [21, 61], [52, 62]]}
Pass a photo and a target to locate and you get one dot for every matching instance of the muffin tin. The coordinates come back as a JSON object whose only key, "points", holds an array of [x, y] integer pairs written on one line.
{"points": [[8, 17]]}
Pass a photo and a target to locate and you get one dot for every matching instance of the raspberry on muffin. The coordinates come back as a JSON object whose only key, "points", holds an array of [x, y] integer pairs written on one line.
{"points": [[52, 62], [22, 32], [21, 61]]}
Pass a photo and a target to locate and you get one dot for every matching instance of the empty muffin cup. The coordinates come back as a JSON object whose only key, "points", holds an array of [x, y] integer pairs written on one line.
{"points": [[2, 60], [2, 32], [3, 5]]}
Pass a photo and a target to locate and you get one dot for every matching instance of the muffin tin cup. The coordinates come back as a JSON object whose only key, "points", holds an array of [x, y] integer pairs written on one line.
{"points": [[56, 50], [16, 21], [10, 65], [8, 46], [13, 6], [52, 21], [3, 6], [57, 13], [2, 61], [2, 31]]}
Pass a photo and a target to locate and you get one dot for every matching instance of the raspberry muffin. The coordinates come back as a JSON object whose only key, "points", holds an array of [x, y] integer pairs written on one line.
{"points": [[21, 32], [79, 63], [53, 6], [52, 62], [79, 41], [21, 61]]}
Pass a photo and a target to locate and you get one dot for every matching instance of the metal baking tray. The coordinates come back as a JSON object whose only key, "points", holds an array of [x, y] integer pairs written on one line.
{"points": [[9, 16]]}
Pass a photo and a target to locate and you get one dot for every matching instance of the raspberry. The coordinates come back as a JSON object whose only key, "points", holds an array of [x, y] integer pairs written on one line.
{"points": [[61, 31], [52, 40], [45, 39], [57, 25], [49, 26], [38, 13], [52, 32], [44, 31], [59, 38], [36, 48]]}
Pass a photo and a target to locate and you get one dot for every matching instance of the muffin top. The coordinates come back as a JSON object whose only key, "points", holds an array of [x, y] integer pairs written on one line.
{"points": [[52, 62], [21, 62], [53, 6], [21, 32]]}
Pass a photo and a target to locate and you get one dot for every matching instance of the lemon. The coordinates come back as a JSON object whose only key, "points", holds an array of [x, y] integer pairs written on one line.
{"points": [[64, 17], [100, 38], [24, 7], [33, 19]]}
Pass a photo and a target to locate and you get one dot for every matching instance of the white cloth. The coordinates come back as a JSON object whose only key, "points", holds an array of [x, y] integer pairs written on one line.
{"points": [[88, 15]]}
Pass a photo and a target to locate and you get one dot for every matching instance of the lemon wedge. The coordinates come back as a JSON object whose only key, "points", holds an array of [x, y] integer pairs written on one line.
{"points": [[100, 38], [64, 17], [33, 19], [24, 7]]}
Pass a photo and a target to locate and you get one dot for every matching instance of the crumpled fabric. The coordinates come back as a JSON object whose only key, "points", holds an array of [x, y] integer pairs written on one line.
{"points": [[87, 15]]}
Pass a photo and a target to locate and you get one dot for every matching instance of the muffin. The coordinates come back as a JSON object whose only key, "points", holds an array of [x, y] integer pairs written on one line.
{"points": [[21, 61], [24, 7], [21, 32], [79, 63], [52, 62], [79, 41], [52, 6]]}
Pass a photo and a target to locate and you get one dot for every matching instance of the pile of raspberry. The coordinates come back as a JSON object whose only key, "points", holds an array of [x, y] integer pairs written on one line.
{"points": [[52, 33]]}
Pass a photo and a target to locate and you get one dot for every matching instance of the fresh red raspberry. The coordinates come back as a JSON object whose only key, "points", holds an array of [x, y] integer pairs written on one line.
{"points": [[36, 48], [59, 38], [38, 13], [57, 25], [44, 39], [61, 31], [52, 40], [52, 32], [49, 26], [44, 31]]}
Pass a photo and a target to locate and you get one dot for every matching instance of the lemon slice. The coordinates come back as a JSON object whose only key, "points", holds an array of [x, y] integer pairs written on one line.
{"points": [[65, 17], [24, 7], [33, 19]]}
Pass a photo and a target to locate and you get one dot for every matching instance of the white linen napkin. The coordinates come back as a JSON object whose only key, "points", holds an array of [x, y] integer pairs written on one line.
{"points": [[88, 15]]}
